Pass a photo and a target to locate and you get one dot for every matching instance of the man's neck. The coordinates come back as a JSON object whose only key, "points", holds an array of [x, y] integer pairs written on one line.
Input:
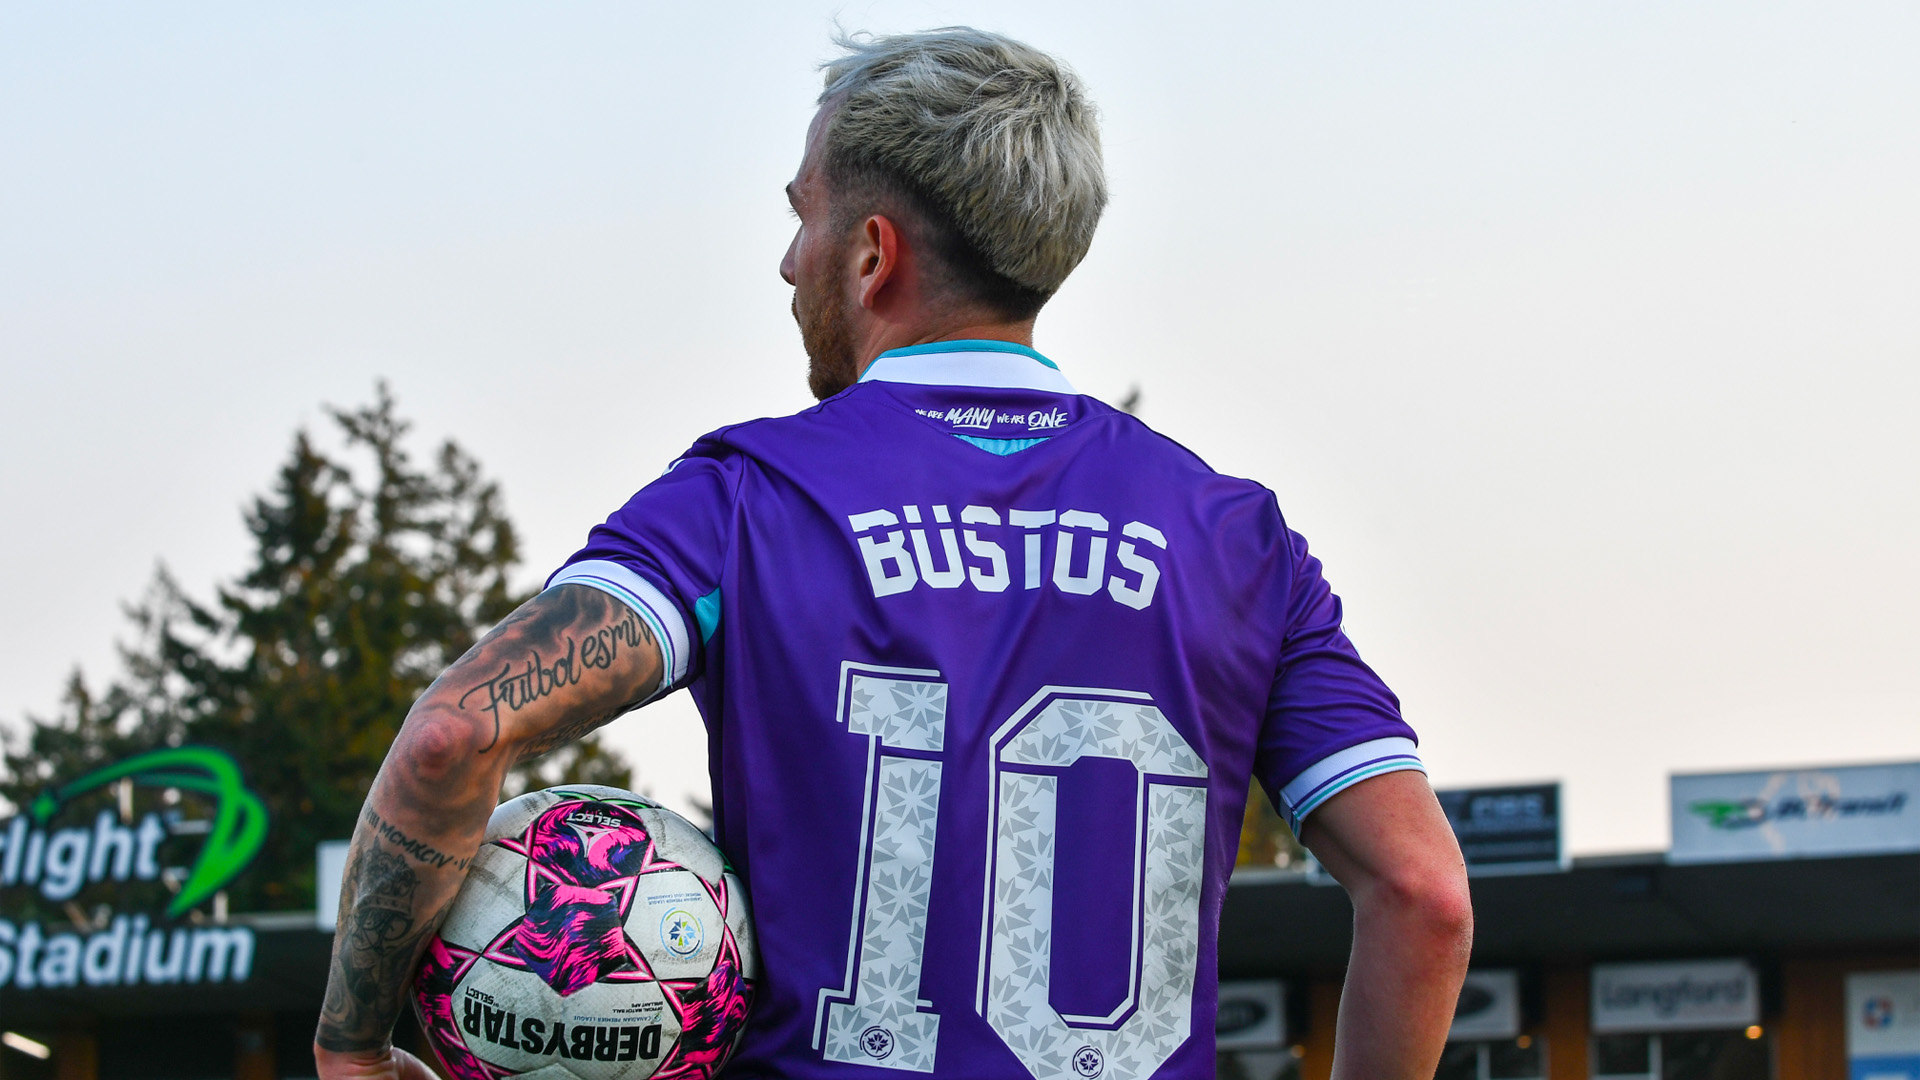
{"points": [[893, 336]]}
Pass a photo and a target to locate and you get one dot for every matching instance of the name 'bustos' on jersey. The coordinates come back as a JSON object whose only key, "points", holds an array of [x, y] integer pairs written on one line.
{"points": [[898, 559]]}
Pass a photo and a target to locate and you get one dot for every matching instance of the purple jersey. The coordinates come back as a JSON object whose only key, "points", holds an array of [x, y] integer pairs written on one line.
{"points": [[986, 666]]}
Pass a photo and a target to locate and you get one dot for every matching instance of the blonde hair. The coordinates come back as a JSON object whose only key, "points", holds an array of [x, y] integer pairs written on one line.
{"points": [[991, 139]]}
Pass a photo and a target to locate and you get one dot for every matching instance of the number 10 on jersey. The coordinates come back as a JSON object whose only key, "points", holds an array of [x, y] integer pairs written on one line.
{"points": [[876, 1016]]}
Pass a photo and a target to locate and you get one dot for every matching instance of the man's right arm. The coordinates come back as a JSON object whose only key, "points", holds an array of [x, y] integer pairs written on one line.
{"points": [[564, 663]]}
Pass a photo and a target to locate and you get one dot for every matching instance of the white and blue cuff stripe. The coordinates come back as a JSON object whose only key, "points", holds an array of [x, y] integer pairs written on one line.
{"points": [[1342, 769], [660, 614]]}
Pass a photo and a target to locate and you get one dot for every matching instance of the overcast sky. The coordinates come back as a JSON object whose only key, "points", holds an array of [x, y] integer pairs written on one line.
{"points": [[1581, 341]]}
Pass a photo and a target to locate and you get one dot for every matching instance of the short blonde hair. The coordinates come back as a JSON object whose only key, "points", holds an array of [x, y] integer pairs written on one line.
{"points": [[993, 139]]}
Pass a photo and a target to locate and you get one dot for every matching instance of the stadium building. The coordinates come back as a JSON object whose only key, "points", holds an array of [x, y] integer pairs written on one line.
{"points": [[1779, 937]]}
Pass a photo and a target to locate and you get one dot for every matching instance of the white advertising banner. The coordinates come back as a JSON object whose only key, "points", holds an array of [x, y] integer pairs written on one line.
{"points": [[329, 867], [1684, 995], [1883, 1025], [1252, 1015], [1489, 1006], [1853, 810]]}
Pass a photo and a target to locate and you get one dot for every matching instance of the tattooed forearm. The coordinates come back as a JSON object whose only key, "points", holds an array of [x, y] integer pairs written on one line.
{"points": [[566, 662], [563, 733], [419, 849], [537, 675], [376, 945]]}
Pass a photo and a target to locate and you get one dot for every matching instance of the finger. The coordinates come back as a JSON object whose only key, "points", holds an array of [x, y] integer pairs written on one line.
{"points": [[408, 1067]]}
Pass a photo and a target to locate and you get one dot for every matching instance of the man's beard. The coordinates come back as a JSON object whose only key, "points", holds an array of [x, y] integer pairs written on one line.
{"points": [[826, 331]]}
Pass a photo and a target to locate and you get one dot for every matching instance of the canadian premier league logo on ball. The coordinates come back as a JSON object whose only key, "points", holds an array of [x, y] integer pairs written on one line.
{"points": [[597, 936]]}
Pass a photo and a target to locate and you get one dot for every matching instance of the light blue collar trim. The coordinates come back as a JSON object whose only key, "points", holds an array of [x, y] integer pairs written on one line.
{"points": [[998, 364], [1002, 447], [971, 345]]}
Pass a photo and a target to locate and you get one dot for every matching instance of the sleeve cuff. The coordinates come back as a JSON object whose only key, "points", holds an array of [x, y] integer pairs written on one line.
{"points": [[1341, 770], [660, 614]]}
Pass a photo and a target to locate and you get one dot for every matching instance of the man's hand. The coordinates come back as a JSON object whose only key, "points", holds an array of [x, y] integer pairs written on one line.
{"points": [[1388, 842], [388, 1064], [566, 662]]}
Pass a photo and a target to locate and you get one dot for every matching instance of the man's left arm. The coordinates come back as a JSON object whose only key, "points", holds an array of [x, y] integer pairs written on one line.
{"points": [[1388, 842]]}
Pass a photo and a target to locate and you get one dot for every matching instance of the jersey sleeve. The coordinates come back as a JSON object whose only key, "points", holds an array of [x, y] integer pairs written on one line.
{"points": [[661, 554], [1330, 722]]}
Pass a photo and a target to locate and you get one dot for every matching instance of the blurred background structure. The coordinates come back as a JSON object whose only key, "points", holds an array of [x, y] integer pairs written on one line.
{"points": [[1579, 341]]}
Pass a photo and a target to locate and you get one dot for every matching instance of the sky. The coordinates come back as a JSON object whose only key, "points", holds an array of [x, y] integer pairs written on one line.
{"points": [[1581, 341]]}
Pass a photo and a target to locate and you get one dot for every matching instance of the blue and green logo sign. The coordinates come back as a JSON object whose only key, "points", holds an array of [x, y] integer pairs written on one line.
{"points": [[1734, 814], [62, 861]]}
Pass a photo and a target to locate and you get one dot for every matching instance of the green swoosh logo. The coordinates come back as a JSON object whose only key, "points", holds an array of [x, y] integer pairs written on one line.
{"points": [[1722, 815], [239, 819]]}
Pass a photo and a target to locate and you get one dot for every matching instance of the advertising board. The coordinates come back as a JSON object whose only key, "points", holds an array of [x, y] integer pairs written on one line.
{"points": [[1883, 1025], [329, 867], [1252, 1015], [1682, 995], [1506, 830], [1852, 810], [1489, 1006]]}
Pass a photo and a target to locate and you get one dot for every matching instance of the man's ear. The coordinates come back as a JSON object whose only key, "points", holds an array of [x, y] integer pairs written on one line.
{"points": [[876, 260]]}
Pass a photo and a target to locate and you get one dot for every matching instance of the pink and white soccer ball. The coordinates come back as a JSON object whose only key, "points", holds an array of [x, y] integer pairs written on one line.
{"points": [[598, 937]]}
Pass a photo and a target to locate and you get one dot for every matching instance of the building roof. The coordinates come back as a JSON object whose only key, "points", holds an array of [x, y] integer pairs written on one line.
{"points": [[1609, 908]]}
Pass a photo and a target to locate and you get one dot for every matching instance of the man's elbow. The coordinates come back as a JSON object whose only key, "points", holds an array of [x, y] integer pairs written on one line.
{"points": [[1432, 903], [434, 750]]}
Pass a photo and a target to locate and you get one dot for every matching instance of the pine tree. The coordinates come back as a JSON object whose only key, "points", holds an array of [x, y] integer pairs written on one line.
{"points": [[365, 584]]}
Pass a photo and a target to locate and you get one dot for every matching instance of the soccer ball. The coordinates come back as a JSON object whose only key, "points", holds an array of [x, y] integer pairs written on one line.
{"points": [[598, 937]]}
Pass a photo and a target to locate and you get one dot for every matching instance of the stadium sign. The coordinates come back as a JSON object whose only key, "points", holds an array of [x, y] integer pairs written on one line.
{"points": [[1857, 810], [1686, 995], [1506, 830], [40, 854]]}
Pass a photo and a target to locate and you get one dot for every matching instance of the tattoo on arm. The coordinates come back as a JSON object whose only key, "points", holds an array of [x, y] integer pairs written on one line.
{"points": [[583, 649], [419, 849], [570, 650], [374, 952]]}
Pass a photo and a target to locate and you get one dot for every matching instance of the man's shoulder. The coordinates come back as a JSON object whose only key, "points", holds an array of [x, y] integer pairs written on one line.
{"points": [[743, 436], [1177, 463]]}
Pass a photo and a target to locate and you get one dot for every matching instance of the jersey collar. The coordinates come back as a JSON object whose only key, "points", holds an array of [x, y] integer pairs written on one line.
{"points": [[973, 362]]}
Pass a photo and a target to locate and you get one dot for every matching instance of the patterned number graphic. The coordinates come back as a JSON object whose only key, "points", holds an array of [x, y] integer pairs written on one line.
{"points": [[877, 1018], [1055, 728]]}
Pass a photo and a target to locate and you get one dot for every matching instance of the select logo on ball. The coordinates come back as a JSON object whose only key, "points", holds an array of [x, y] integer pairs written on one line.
{"points": [[681, 933]]}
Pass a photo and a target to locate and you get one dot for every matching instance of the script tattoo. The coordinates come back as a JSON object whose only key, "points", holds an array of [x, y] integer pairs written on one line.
{"points": [[374, 952], [419, 849], [514, 687]]}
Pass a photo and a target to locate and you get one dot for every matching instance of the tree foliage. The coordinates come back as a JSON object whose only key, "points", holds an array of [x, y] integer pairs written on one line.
{"points": [[1265, 840], [370, 574]]}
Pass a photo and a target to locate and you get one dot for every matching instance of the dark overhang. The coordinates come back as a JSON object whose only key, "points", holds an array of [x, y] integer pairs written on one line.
{"points": [[1610, 908]]}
